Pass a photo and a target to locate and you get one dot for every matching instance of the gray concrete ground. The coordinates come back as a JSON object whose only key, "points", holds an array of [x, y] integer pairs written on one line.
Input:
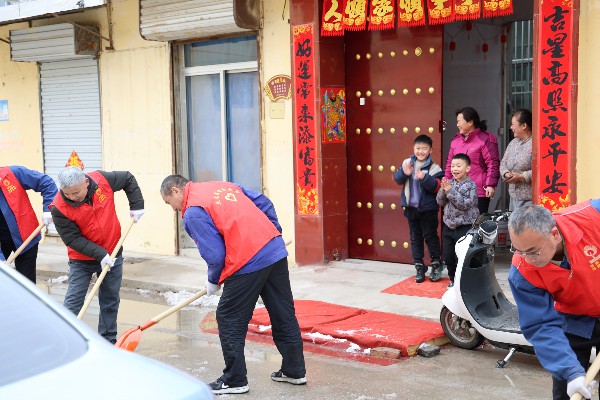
{"points": [[353, 283], [454, 374]]}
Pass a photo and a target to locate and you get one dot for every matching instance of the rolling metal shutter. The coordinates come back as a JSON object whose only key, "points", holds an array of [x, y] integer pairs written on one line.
{"points": [[70, 101], [166, 20]]}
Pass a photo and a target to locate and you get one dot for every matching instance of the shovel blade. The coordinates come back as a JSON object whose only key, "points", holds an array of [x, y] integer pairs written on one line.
{"points": [[130, 339]]}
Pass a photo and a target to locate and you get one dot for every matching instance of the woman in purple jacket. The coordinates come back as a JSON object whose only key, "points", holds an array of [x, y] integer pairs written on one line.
{"points": [[482, 148]]}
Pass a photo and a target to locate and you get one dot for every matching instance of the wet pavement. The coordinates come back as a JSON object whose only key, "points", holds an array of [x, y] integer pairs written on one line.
{"points": [[454, 374]]}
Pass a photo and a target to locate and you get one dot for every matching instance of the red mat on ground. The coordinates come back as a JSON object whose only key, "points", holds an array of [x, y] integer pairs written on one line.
{"points": [[309, 314], [409, 287], [380, 329], [358, 330]]}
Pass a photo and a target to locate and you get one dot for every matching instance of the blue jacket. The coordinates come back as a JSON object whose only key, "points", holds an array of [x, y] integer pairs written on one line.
{"points": [[33, 180], [545, 327], [201, 228], [429, 185]]}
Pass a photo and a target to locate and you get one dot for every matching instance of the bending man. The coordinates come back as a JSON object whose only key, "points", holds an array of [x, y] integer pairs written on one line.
{"points": [[17, 218], [555, 280], [85, 218], [238, 235]]}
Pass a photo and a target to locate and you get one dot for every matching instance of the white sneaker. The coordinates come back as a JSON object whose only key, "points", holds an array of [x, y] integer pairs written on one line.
{"points": [[220, 387], [280, 377]]}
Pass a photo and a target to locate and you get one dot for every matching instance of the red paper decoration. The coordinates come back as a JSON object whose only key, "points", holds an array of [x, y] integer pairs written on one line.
{"points": [[503, 38], [484, 47], [452, 45]]}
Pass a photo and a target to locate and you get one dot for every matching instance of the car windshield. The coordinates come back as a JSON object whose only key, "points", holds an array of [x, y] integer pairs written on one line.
{"points": [[34, 338]]}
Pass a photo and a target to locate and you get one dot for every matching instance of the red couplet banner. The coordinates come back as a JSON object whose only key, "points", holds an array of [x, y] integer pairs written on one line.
{"points": [[305, 120], [553, 125]]}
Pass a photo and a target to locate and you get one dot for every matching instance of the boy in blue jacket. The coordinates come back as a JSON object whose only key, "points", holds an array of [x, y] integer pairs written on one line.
{"points": [[421, 179]]}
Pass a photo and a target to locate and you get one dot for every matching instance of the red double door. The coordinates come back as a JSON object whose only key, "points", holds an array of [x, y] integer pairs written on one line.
{"points": [[394, 94]]}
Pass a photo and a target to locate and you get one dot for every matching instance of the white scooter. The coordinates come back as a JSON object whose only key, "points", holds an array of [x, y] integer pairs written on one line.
{"points": [[475, 308]]}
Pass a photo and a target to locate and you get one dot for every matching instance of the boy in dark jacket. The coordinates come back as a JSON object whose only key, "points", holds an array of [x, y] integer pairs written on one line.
{"points": [[421, 179]]}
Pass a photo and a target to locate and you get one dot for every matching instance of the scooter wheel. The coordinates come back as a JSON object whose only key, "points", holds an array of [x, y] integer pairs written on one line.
{"points": [[460, 331]]}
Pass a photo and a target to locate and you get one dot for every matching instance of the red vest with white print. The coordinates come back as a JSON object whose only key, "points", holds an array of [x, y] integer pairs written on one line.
{"points": [[575, 291], [244, 227], [98, 222], [19, 203]]}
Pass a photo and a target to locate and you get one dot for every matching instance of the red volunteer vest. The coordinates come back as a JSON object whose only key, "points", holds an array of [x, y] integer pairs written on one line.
{"points": [[575, 291], [244, 227], [19, 203], [98, 223]]}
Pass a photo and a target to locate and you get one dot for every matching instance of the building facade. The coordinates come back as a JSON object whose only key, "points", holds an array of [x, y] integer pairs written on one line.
{"points": [[159, 88]]}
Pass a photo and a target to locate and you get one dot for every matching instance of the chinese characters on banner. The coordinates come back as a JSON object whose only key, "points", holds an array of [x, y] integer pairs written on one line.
{"points": [[355, 15], [381, 15], [467, 9], [305, 121], [333, 23], [334, 115], [411, 13], [351, 15], [554, 93], [440, 11], [497, 8]]}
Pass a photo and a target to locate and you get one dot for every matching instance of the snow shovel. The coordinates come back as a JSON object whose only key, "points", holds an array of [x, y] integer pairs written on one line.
{"points": [[131, 338], [105, 268], [18, 251], [589, 376]]}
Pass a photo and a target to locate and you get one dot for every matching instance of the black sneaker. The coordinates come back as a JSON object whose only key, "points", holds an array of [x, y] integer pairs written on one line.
{"points": [[220, 387], [280, 377], [451, 285], [421, 271], [436, 271]]}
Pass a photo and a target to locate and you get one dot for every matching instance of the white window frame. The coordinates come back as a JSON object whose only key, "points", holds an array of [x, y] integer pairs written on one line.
{"points": [[222, 70]]}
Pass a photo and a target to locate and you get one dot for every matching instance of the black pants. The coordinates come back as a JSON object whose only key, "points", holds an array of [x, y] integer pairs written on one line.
{"points": [[240, 293], [582, 348], [483, 203], [25, 262], [450, 237], [423, 228]]}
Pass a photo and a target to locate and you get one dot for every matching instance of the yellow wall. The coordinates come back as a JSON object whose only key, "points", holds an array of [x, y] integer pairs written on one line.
{"points": [[20, 141], [136, 106], [277, 133], [588, 102], [136, 124]]}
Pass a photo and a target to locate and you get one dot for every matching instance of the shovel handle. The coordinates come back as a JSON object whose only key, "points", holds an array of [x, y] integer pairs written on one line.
{"points": [[105, 269], [173, 309], [25, 243], [589, 376]]}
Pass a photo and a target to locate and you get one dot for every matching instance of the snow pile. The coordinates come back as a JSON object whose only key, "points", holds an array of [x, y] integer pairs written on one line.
{"points": [[174, 298], [353, 347], [60, 279]]}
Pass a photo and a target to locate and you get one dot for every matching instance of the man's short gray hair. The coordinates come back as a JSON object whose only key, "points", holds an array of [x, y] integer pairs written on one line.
{"points": [[172, 181], [70, 177], [533, 217]]}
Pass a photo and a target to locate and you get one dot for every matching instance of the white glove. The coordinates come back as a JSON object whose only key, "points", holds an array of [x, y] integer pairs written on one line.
{"points": [[107, 261], [136, 214], [578, 385], [47, 218], [211, 288]]}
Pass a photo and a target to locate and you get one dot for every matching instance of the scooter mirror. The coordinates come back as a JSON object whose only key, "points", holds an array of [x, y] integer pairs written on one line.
{"points": [[487, 232]]}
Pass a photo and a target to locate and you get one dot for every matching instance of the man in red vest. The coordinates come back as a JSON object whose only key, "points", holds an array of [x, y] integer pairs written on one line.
{"points": [[85, 218], [238, 235], [17, 218], [555, 280]]}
